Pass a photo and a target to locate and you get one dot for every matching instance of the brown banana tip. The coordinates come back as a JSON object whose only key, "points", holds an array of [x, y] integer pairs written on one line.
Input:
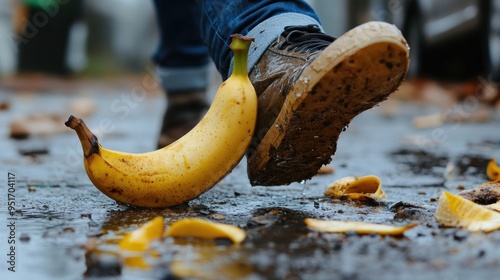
{"points": [[72, 122]]}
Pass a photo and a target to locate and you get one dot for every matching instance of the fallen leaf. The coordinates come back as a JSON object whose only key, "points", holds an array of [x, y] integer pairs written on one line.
{"points": [[456, 211], [454, 115], [37, 125], [206, 230], [358, 227], [82, 107], [389, 108], [325, 170], [356, 188], [428, 121]]}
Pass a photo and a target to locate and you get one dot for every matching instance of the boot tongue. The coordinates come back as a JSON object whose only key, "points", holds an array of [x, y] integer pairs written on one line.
{"points": [[305, 38]]}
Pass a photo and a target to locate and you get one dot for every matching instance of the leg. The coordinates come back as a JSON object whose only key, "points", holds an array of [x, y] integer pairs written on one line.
{"points": [[222, 18], [182, 61], [310, 86]]}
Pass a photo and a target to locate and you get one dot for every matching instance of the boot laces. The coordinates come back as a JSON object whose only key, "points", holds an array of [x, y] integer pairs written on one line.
{"points": [[306, 38]]}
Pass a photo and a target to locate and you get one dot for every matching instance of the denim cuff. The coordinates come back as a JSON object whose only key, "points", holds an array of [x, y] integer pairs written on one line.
{"points": [[268, 31], [183, 79]]}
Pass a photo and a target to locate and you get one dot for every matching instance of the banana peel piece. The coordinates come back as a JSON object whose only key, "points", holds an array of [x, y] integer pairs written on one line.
{"points": [[134, 244], [199, 228], [494, 206], [356, 188], [493, 170], [456, 211], [358, 227], [140, 239]]}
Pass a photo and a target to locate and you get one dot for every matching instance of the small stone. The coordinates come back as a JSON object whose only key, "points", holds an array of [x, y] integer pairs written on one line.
{"points": [[69, 229], [460, 235], [481, 254], [24, 237], [4, 106], [217, 216]]}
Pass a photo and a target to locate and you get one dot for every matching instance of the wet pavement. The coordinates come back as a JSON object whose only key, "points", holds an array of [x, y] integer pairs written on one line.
{"points": [[58, 212]]}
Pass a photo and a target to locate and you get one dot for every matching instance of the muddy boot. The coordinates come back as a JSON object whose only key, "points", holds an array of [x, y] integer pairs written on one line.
{"points": [[184, 111], [310, 87]]}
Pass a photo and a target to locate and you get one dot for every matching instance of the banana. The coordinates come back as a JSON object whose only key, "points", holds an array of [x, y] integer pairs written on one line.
{"points": [[193, 164]]}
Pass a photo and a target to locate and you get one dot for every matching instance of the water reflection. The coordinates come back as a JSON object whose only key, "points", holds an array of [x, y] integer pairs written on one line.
{"points": [[179, 257]]}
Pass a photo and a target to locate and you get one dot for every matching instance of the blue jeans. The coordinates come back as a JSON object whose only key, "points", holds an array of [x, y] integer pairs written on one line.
{"points": [[193, 30]]}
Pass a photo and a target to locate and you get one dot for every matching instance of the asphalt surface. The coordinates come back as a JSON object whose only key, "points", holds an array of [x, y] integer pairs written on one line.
{"points": [[58, 211]]}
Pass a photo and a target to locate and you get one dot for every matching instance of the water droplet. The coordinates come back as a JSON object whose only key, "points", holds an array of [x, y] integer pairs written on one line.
{"points": [[316, 136], [303, 183], [298, 94]]}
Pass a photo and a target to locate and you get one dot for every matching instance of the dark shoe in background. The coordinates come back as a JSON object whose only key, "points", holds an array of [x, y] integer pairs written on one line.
{"points": [[184, 111]]}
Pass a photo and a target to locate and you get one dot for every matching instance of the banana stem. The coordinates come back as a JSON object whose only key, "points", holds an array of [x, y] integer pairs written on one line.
{"points": [[240, 45], [88, 140]]}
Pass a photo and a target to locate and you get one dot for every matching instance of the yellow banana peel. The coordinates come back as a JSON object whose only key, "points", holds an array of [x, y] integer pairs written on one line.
{"points": [[494, 206], [199, 228], [456, 211], [134, 246], [331, 226], [356, 188], [493, 170], [199, 263]]}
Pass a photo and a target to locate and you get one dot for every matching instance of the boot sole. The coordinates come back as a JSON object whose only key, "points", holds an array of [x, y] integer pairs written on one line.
{"points": [[357, 71]]}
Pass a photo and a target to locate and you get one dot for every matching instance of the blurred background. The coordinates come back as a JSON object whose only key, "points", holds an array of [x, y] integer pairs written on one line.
{"points": [[451, 40], [85, 37]]}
